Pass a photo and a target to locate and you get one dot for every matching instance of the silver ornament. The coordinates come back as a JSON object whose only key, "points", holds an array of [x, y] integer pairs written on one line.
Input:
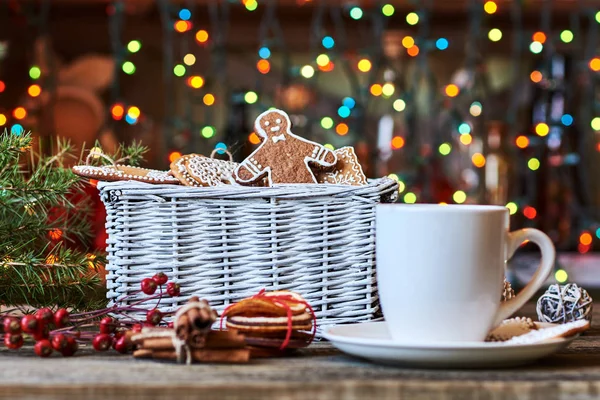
{"points": [[566, 303]]}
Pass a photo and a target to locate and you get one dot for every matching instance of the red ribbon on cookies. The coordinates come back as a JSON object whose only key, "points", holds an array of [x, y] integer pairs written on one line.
{"points": [[281, 300]]}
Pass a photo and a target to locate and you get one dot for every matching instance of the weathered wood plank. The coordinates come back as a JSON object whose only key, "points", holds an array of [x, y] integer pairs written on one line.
{"points": [[318, 372]]}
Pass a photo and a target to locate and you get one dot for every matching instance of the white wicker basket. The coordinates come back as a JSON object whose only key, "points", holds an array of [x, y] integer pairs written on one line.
{"points": [[226, 243]]}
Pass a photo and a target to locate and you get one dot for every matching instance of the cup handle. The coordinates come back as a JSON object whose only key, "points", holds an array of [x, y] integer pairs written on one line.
{"points": [[515, 239]]}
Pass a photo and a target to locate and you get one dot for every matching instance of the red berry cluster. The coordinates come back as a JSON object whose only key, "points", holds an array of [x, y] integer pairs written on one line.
{"points": [[61, 332], [39, 327]]}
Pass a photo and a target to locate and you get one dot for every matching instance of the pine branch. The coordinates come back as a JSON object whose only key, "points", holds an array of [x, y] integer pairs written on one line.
{"points": [[40, 216]]}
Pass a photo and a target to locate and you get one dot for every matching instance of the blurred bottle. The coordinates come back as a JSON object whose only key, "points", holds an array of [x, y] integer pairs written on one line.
{"points": [[497, 171]]}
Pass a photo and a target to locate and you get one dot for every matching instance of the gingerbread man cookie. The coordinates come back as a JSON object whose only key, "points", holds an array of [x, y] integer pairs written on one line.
{"points": [[197, 170], [282, 156], [347, 171]]}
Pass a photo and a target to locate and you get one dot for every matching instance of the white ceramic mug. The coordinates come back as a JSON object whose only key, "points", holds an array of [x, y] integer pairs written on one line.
{"points": [[440, 270]]}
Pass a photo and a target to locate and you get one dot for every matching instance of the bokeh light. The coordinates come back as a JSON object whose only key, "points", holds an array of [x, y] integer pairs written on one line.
{"points": [[307, 71], [208, 99], [495, 34], [34, 90], [566, 36], [441, 44], [202, 36], [445, 149], [466, 139], [536, 76], [364, 65], [512, 208], [251, 97], [542, 129], [327, 123], [388, 10], [263, 66], [475, 109], [522, 142], [412, 18], [376, 89], [490, 7], [459, 197], [452, 90], [410, 198], [128, 67], [35, 72], [189, 59], [561, 276], [533, 164], [356, 12], [19, 113], [208, 131], [399, 105], [529, 212], [397, 142], [134, 46], [478, 160], [341, 129]]}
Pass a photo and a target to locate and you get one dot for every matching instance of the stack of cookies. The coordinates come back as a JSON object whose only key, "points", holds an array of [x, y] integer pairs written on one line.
{"points": [[281, 158], [272, 322]]}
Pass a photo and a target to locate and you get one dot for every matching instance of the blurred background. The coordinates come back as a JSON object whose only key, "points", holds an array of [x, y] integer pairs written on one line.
{"points": [[462, 101]]}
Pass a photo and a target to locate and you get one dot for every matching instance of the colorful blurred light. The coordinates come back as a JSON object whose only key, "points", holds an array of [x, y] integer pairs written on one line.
{"points": [[445, 149], [475, 109], [388, 10], [263, 66], [189, 59], [397, 142], [356, 12], [567, 119], [117, 111], [251, 97], [254, 138], [490, 7], [376, 89], [35, 72], [408, 42], [327, 122], [19, 113], [542, 129], [512, 208], [128, 67], [478, 160], [185, 14], [208, 132], [412, 18], [410, 198], [452, 90], [566, 36], [183, 26], [441, 44], [529, 212], [202, 36], [196, 81], [539, 37], [533, 164], [495, 34], [209, 99], [328, 42], [174, 156], [459, 197], [466, 139], [536, 76], [364, 65], [536, 47], [399, 105], [34, 90], [522, 142], [307, 71], [134, 46], [341, 129]]}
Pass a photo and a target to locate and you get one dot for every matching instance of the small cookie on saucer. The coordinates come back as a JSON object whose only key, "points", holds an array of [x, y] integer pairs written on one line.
{"points": [[553, 332], [347, 170], [113, 173], [197, 170], [510, 328]]}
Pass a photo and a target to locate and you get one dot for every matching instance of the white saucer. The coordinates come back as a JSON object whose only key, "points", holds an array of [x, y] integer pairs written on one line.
{"points": [[371, 341]]}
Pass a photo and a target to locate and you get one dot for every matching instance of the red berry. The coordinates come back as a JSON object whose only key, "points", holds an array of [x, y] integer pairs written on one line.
{"points": [[107, 325], [43, 348], [102, 342], [42, 332], [173, 289], [59, 342], [154, 317], [61, 318], [13, 341], [12, 325], [45, 315], [71, 348], [137, 328], [29, 324], [170, 325], [148, 286], [121, 345], [160, 278]]}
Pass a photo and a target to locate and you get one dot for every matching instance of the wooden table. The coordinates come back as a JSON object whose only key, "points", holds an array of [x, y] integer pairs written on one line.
{"points": [[320, 372]]}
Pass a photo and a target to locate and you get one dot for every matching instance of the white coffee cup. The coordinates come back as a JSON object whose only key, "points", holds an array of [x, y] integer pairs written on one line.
{"points": [[440, 270]]}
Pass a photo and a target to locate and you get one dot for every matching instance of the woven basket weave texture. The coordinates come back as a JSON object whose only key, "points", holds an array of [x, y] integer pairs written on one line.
{"points": [[226, 243]]}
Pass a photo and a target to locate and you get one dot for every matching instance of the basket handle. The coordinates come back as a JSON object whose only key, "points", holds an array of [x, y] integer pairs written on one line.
{"points": [[212, 154]]}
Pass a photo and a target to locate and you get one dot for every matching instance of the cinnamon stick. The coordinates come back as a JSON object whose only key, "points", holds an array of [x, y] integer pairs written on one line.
{"points": [[214, 340], [208, 356], [183, 328], [143, 353]]}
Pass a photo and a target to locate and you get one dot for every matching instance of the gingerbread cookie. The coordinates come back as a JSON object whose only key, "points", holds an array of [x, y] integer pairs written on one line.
{"points": [[347, 170], [124, 173], [197, 170], [277, 320], [510, 328], [282, 156], [552, 332]]}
